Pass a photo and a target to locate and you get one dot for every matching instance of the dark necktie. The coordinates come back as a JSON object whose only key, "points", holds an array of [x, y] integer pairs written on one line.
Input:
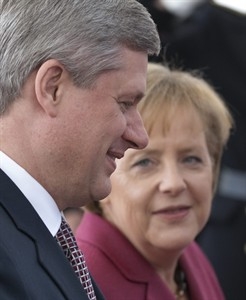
{"points": [[66, 240]]}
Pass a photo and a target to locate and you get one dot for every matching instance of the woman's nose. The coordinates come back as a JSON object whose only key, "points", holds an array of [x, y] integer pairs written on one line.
{"points": [[172, 180]]}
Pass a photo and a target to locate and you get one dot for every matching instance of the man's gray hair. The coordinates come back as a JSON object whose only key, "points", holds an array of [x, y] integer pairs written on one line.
{"points": [[85, 36]]}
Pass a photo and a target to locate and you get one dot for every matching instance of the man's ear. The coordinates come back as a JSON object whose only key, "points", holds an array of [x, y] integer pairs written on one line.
{"points": [[48, 79]]}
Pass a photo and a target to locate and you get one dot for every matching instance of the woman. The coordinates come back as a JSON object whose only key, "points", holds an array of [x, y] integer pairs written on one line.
{"points": [[139, 241]]}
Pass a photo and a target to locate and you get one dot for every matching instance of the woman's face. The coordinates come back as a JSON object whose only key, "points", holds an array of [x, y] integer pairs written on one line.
{"points": [[161, 195]]}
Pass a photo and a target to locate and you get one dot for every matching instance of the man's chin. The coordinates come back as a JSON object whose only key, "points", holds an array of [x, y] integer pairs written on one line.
{"points": [[102, 192]]}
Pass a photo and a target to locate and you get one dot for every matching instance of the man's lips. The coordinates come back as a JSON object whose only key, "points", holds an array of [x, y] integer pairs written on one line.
{"points": [[112, 155], [115, 154]]}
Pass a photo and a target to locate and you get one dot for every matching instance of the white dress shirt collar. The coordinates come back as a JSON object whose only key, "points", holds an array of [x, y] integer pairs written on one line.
{"points": [[39, 198]]}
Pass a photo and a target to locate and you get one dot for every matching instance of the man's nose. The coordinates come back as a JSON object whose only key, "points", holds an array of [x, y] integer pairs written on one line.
{"points": [[135, 133]]}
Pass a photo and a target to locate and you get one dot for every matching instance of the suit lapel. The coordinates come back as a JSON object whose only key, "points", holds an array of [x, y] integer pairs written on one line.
{"points": [[49, 254]]}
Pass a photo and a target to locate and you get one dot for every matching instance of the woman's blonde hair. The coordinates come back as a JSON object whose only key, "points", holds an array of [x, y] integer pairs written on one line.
{"points": [[171, 90]]}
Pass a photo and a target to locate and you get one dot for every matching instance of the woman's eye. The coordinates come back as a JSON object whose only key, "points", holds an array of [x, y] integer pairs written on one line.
{"points": [[143, 163], [193, 160]]}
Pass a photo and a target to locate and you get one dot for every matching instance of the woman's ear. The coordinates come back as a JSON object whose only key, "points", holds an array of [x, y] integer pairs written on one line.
{"points": [[48, 80]]}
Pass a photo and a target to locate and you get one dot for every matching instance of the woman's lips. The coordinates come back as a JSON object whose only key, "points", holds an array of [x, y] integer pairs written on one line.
{"points": [[173, 212]]}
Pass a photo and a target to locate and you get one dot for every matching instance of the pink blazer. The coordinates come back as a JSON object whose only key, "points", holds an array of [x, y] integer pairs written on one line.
{"points": [[122, 273]]}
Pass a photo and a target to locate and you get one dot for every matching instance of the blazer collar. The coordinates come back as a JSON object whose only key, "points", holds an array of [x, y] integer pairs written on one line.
{"points": [[123, 254]]}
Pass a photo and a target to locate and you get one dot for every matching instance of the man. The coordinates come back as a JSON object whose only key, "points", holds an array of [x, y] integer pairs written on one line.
{"points": [[71, 75]]}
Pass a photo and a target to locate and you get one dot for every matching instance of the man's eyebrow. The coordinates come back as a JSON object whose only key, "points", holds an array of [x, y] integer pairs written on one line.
{"points": [[136, 96], [140, 96]]}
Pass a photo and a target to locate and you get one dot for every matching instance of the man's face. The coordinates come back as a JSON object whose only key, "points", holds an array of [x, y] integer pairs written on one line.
{"points": [[98, 125]]}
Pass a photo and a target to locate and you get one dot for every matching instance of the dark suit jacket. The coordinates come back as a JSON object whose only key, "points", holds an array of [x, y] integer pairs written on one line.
{"points": [[32, 265]]}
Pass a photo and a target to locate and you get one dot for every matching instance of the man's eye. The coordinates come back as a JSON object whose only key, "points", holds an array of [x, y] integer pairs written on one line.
{"points": [[126, 105]]}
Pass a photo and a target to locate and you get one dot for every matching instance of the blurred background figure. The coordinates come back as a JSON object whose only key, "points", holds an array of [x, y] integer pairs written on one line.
{"points": [[212, 38], [169, 15], [143, 232]]}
